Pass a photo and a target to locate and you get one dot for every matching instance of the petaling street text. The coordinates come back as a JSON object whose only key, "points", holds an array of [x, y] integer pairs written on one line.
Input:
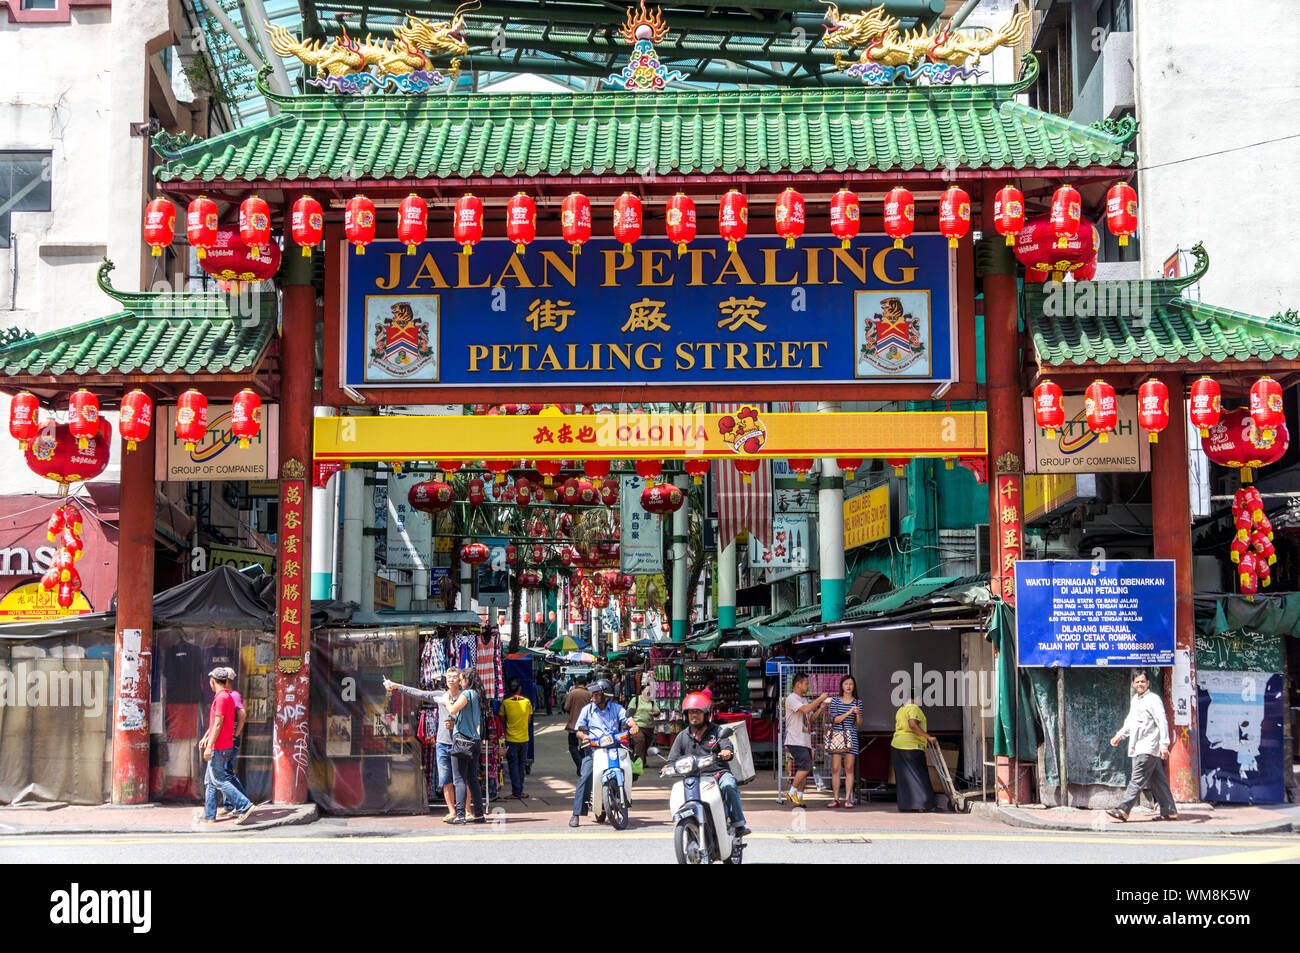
{"points": [[710, 355]]}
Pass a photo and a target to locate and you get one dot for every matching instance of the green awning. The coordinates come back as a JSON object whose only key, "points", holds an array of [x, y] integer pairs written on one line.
{"points": [[889, 601]]}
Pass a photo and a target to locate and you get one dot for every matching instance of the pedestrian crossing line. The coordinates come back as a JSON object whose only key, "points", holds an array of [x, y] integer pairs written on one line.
{"points": [[1271, 855]]}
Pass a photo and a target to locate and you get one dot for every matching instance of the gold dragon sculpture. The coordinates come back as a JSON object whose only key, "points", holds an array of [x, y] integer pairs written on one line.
{"points": [[877, 35], [417, 42]]}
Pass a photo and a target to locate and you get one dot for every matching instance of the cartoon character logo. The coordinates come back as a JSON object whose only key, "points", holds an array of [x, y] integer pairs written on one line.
{"points": [[745, 433]]}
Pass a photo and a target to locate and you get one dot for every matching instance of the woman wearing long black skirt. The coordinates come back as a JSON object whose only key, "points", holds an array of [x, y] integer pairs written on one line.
{"points": [[911, 773]]}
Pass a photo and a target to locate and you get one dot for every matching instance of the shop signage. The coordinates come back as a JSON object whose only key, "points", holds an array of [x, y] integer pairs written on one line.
{"points": [[239, 558], [746, 432], [1047, 492], [791, 545], [294, 601], [1009, 534], [1079, 613], [762, 314], [494, 575], [410, 532], [641, 538], [1076, 449], [866, 517], [385, 593], [651, 591], [218, 455], [34, 603]]}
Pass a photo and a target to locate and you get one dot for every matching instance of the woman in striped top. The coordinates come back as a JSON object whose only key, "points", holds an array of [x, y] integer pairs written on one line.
{"points": [[846, 716]]}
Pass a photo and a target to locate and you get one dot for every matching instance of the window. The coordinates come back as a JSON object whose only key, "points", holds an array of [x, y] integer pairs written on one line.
{"points": [[24, 186], [1112, 16], [40, 4]]}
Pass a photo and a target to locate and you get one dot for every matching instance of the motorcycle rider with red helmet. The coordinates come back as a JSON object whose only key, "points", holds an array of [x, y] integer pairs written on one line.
{"points": [[700, 737]]}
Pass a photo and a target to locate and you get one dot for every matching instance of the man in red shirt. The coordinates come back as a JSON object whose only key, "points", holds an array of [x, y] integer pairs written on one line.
{"points": [[218, 747]]}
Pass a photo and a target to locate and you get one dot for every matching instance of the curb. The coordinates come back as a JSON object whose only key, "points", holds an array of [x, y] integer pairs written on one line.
{"points": [[1016, 818], [300, 814]]}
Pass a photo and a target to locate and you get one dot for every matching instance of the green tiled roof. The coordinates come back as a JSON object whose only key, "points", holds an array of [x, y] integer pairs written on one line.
{"points": [[487, 135], [154, 333], [1148, 323]]}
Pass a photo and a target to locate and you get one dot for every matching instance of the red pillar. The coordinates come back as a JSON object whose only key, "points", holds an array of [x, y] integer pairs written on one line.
{"points": [[1171, 518], [293, 614], [997, 266], [133, 645]]}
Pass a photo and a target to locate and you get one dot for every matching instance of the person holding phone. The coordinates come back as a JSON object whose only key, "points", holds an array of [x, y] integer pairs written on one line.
{"points": [[842, 740], [442, 744]]}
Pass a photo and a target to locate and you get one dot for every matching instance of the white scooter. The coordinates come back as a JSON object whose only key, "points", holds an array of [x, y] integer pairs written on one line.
{"points": [[611, 773], [701, 832]]}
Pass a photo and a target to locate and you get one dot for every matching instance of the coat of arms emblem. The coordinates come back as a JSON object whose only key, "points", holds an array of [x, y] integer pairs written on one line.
{"points": [[891, 338], [401, 342]]}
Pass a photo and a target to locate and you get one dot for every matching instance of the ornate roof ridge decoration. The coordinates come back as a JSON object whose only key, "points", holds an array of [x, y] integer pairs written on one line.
{"points": [[939, 56], [405, 64], [644, 72], [1122, 130], [168, 143], [1198, 271], [178, 305]]}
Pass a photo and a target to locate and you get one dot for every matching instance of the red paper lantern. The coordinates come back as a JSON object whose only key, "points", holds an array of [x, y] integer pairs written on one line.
{"points": [[72, 519], [449, 466], [201, 224], [801, 466], [733, 218], [1153, 408], [627, 220], [475, 492], [431, 496], [575, 220], [359, 222], [550, 615], [747, 466], [846, 216], [54, 525], [1266, 405], [680, 221], [474, 553], [698, 468], [191, 418], [1121, 211], [598, 470], [1049, 413], [1246, 574], [524, 487], [661, 498], [1101, 409], [848, 464], [412, 222], [899, 464], [537, 554], [549, 469], [1205, 407], [1009, 212], [609, 492], [50, 579], [511, 554], [72, 542], [246, 416], [521, 221], [135, 418], [83, 416], [1037, 249], [649, 470], [567, 555], [307, 223], [1235, 441], [54, 455], [790, 216], [254, 224], [529, 579], [622, 582], [467, 222], [1064, 216], [954, 215], [24, 417], [159, 225], [230, 260], [900, 215], [501, 468]]}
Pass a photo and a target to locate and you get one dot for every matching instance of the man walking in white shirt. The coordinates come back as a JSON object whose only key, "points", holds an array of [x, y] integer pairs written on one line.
{"points": [[1147, 731]]}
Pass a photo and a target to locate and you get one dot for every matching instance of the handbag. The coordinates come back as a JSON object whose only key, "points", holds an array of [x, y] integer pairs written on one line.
{"points": [[837, 741], [462, 744]]}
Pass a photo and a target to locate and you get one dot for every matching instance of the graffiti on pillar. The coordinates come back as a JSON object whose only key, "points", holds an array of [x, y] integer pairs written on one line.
{"points": [[293, 616], [289, 736], [1009, 535]]}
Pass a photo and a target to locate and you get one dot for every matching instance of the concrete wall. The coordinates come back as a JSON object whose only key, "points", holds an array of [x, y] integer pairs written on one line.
{"points": [[1215, 78]]}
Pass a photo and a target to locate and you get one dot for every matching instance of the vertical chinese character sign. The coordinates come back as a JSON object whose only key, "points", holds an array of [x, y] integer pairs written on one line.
{"points": [[293, 599], [1010, 534], [641, 543]]}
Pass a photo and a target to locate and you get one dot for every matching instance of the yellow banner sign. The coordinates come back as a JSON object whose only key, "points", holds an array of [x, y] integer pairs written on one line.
{"points": [[744, 433], [34, 603], [866, 517]]}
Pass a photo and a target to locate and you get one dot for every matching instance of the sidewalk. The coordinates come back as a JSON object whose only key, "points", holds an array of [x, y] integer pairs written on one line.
{"points": [[549, 807]]}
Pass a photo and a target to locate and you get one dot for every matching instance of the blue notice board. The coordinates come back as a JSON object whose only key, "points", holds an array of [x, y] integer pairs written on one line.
{"points": [[1079, 612]]}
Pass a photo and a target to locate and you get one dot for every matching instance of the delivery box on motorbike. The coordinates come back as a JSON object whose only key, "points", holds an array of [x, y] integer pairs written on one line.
{"points": [[742, 762]]}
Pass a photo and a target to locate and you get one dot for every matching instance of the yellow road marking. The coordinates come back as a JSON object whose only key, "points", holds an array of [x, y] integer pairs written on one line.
{"points": [[1274, 855]]}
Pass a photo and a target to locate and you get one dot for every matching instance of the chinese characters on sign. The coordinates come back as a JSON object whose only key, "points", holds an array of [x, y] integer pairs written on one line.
{"points": [[1009, 528], [294, 607], [641, 542], [410, 532]]}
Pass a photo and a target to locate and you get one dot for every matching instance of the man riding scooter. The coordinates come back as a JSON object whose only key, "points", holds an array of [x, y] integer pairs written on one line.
{"points": [[699, 738], [602, 716]]}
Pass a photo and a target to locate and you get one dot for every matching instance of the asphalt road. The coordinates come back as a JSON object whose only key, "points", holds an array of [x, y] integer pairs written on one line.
{"points": [[601, 846]]}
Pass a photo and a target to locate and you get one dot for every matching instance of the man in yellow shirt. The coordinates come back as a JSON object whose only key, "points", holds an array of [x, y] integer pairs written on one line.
{"points": [[517, 713]]}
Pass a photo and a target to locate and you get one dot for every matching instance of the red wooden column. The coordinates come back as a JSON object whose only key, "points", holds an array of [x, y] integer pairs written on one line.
{"points": [[997, 266], [1171, 509], [293, 612], [133, 644]]}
